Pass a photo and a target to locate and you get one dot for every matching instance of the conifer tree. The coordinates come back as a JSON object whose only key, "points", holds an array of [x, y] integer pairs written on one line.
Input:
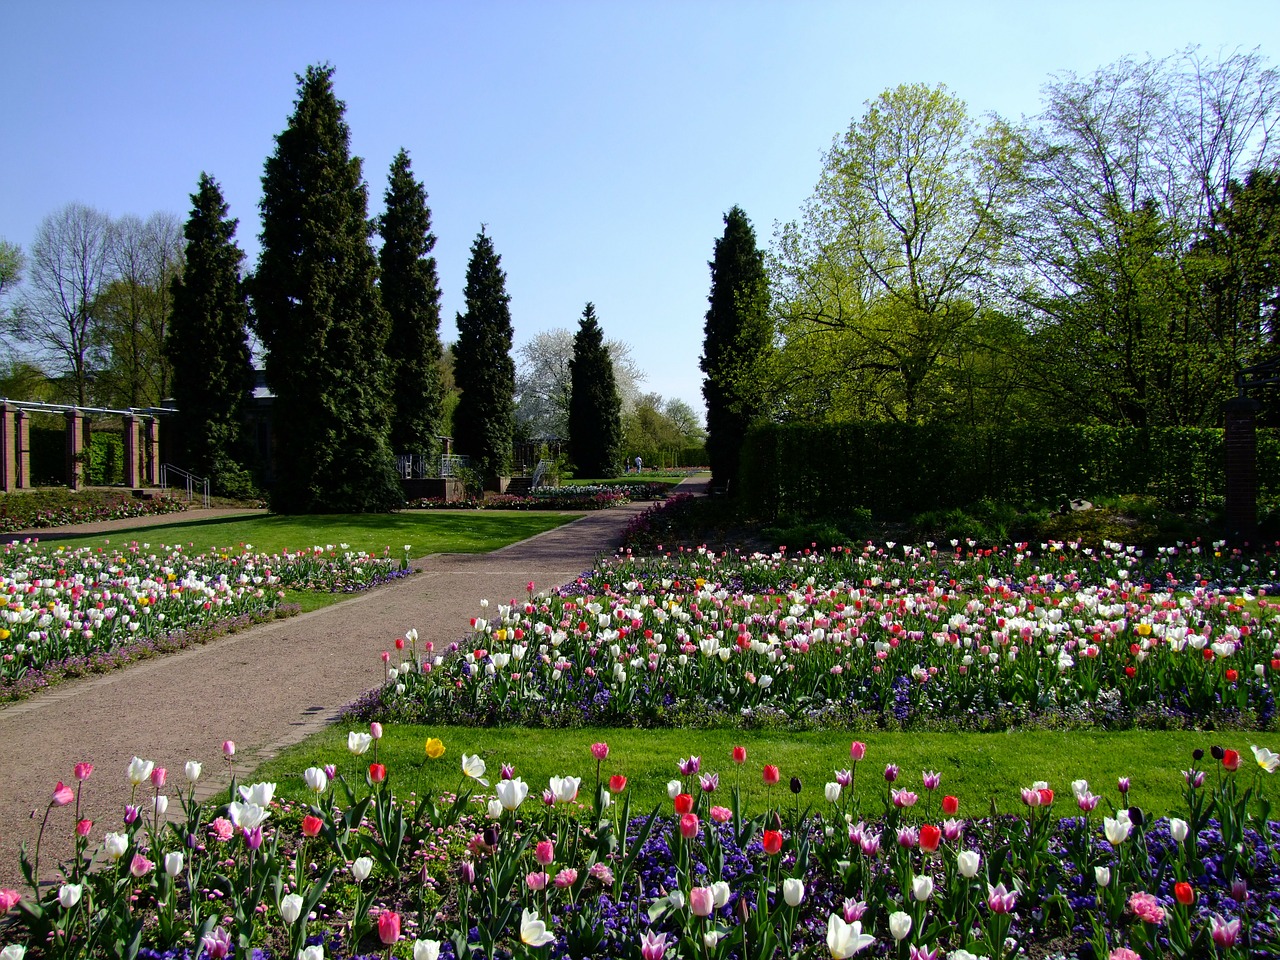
{"points": [[738, 341], [483, 369], [208, 346], [317, 312], [595, 409], [411, 297]]}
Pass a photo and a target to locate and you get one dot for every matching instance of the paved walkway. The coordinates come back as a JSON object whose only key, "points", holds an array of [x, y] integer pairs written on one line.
{"points": [[266, 688]]}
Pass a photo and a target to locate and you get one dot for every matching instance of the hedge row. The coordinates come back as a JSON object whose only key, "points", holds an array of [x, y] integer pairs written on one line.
{"points": [[898, 471], [49, 457]]}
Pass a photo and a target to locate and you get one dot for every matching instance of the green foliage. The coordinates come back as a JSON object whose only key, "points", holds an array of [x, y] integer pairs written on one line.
{"points": [[208, 347], [484, 419], [595, 410], [411, 297], [738, 339], [317, 312], [901, 470]]}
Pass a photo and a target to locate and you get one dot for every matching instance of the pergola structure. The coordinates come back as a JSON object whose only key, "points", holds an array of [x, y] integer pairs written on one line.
{"points": [[1241, 435], [141, 442]]}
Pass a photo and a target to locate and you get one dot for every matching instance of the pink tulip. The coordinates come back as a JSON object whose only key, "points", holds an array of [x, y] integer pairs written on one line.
{"points": [[8, 900], [721, 814], [545, 852], [857, 750], [853, 909], [222, 829], [228, 748], [62, 795], [1123, 953], [83, 770], [375, 730], [566, 878], [689, 826], [1224, 934], [536, 880], [600, 750], [217, 945], [388, 927], [84, 828], [891, 772], [1000, 900], [158, 777], [653, 946], [140, 866], [701, 901]]}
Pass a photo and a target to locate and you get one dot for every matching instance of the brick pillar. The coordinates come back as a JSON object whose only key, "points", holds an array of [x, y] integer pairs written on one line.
{"points": [[22, 446], [75, 447], [131, 472], [151, 452], [8, 450], [1241, 442]]}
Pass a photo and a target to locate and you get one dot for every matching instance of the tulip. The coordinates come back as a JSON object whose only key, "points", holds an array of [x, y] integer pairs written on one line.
{"points": [[832, 792], [930, 837], [771, 841], [533, 932], [69, 895], [361, 867], [565, 789], [771, 774], [689, 826], [173, 862], [217, 945], [720, 890], [8, 900], [545, 852], [62, 795], [1184, 893], [259, 794], [1117, 830], [434, 748], [83, 771], [739, 755], [1000, 900], [473, 766], [228, 748], [709, 782], [899, 925], [83, 829], [290, 908], [115, 845], [311, 826], [683, 803], [690, 766], [1267, 760], [795, 784], [793, 891], [600, 751], [253, 838], [653, 946], [1178, 829], [313, 952], [358, 742], [1102, 875], [377, 773], [140, 866], [921, 888], [857, 750], [512, 793], [467, 872], [1224, 934], [375, 730], [316, 779], [950, 805], [192, 770], [139, 770], [537, 880], [388, 927], [426, 950], [701, 901], [158, 777], [891, 773], [967, 862], [846, 939], [617, 783], [161, 805], [931, 780]]}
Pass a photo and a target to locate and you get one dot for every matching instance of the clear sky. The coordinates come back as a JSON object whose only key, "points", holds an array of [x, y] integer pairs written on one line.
{"points": [[601, 143]]}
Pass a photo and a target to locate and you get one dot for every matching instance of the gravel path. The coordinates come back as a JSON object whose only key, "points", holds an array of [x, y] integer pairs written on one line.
{"points": [[266, 688]]}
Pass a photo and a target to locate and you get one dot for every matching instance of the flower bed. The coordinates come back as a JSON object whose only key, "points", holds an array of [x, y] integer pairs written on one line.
{"points": [[551, 498], [890, 638], [70, 606], [29, 511], [885, 867]]}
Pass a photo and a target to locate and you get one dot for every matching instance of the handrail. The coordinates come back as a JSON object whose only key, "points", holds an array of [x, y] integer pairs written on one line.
{"points": [[191, 481]]}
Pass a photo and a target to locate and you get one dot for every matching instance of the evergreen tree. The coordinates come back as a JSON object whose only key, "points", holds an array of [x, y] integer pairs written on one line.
{"points": [[208, 346], [737, 343], [595, 410], [482, 366], [411, 297], [317, 312]]}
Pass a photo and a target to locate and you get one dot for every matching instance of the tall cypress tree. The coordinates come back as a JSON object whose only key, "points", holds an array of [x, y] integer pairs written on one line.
{"points": [[208, 346], [738, 341], [318, 314], [595, 409], [484, 419], [411, 297]]}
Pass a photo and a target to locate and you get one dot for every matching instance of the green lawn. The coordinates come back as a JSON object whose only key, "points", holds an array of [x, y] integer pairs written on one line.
{"points": [[983, 770], [470, 531]]}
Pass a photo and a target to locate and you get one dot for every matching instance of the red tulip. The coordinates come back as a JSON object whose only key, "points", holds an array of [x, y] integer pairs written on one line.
{"points": [[377, 772], [84, 827], [771, 774], [1184, 894], [1230, 760], [950, 805], [617, 783], [311, 826], [1232, 676], [930, 837], [771, 841], [739, 754], [684, 803]]}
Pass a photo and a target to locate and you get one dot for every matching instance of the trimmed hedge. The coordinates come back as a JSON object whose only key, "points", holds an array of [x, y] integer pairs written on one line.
{"points": [[49, 457], [900, 470]]}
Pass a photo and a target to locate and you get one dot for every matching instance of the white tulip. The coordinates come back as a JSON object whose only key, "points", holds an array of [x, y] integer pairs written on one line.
{"points": [[674, 789], [512, 792], [832, 792], [493, 810], [316, 779], [565, 789], [259, 794], [1102, 875], [139, 770], [313, 952], [173, 862], [967, 863], [899, 925], [69, 895], [358, 742], [846, 939], [793, 891], [474, 767], [115, 844], [291, 908], [192, 769], [1178, 829], [361, 867], [533, 932], [426, 950], [921, 888]]}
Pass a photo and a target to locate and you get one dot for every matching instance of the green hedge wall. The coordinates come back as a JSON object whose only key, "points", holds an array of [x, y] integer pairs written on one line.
{"points": [[898, 471], [49, 457]]}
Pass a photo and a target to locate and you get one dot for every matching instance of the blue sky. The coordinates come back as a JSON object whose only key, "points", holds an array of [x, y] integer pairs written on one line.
{"points": [[601, 143]]}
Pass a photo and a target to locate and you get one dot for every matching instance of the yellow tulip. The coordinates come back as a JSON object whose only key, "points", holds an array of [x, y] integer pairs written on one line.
{"points": [[435, 748]]}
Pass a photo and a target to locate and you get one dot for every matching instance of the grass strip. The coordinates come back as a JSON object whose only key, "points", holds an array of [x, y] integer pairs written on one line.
{"points": [[986, 771]]}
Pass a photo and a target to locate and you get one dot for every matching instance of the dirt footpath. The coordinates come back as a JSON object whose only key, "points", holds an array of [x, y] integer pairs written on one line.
{"points": [[266, 688]]}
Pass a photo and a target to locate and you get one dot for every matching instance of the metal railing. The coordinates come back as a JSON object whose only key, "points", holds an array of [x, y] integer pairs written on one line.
{"points": [[452, 463], [168, 471]]}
